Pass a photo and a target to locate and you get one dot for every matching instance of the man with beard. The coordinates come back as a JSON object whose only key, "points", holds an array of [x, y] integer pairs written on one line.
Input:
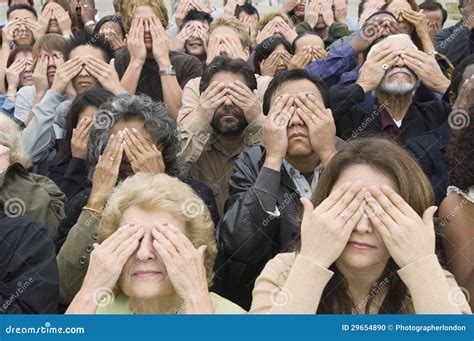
{"points": [[229, 118], [393, 71], [261, 215], [191, 38]]}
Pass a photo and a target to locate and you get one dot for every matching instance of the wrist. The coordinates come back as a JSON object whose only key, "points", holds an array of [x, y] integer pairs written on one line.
{"points": [[273, 162], [317, 260], [163, 62], [326, 156], [136, 63], [365, 86], [96, 201]]}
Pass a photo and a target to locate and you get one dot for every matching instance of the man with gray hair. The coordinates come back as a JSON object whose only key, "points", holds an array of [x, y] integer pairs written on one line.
{"points": [[392, 73]]}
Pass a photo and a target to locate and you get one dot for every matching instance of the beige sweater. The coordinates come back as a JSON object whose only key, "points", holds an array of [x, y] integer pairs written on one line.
{"points": [[291, 284]]}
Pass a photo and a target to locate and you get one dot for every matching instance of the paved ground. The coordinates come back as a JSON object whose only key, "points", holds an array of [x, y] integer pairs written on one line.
{"points": [[105, 6]]}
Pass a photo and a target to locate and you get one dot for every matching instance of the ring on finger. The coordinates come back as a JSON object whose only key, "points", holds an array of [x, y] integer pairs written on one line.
{"points": [[385, 66], [343, 216], [112, 158]]}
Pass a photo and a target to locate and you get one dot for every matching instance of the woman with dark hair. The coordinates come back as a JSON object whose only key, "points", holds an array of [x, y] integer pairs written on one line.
{"points": [[18, 73], [272, 56], [68, 169], [57, 16], [112, 28], [367, 242], [130, 134], [457, 209]]}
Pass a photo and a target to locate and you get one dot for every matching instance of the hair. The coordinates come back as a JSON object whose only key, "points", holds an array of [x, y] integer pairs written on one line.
{"points": [[301, 35], [12, 56], [30, 2], [246, 8], [153, 193], [49, 42], [272, 15], [458, 72], [431, 6], [459, 154], [70, 11], [360, 8], [94, 96], [129, 7], [266, 48], [413, 186], [15, 7], [109, 18], [10, 136], [227, 64], [290, 76], [125, 107], [236, 25], [196, 15], [85, 38]]}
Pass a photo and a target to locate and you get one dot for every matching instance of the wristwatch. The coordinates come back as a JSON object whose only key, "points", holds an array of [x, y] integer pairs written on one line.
{"points": [[90, 22], [168, 71]]}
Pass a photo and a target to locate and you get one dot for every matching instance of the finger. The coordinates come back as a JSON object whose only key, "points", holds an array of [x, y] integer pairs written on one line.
{"points": [[385, 203], [124, 229], [164, 254], [398, 201], [428, 216], [334, 197], [171, 233], [130, 156], [140, 139], [135, 150], [128, 246], [165, 243]]}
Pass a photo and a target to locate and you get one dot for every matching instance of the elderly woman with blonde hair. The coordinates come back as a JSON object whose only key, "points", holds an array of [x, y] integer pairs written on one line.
{"points": [[155, 255], [22, 192]]}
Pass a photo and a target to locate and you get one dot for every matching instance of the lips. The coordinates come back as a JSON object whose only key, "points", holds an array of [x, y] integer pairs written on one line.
{"points": [[146, 273], [297, 135], [361, 246], [84, 84]]}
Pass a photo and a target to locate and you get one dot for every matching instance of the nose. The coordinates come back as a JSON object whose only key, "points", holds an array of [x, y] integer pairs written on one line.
{"points": [[228, 101], [147, 26], [296, 120], [145, 249], [51, 61], [399, 62], [364, 225], [84, 72]]}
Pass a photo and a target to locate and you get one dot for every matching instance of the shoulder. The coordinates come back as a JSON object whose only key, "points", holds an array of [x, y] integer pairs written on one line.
{"points": [[177, 59], [222, 305], [253, 155]]}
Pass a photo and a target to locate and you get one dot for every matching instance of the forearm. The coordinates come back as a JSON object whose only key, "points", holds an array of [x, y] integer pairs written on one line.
{"points": [[83, 303], [131, 77], [199, 304], [172, 94], [39, 96]]}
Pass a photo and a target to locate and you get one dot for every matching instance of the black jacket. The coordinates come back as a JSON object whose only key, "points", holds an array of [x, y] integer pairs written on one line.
{"points": [[248, 236], [29, 281], [455, 42]]}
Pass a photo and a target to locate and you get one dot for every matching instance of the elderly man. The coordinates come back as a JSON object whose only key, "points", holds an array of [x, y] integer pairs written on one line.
{"points": [[393, 71], [261, 215], [228, 119]]}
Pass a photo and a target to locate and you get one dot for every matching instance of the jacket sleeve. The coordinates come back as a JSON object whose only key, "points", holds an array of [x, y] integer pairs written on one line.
{"points": [[73, 257], [252, 218], [31, 285], [453, 42]]}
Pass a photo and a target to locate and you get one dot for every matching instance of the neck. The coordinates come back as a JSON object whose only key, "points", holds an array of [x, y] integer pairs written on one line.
{"points": [[230, 143], [360, 283], [156, 305], [149, 54], [306, 163], [397, 106]]}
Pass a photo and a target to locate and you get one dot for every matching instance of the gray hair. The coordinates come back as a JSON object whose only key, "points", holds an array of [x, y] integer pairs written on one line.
{"points": [[10, 137], [124, 107]]}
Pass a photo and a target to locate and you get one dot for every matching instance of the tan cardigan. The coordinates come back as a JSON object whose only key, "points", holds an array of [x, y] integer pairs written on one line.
{"points": [[291, 284]]}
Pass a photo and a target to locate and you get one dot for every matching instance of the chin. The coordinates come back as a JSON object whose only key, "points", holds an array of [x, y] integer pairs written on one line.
{"points": [[360, 259], [144, 289], [196, 52], [299, 149]]}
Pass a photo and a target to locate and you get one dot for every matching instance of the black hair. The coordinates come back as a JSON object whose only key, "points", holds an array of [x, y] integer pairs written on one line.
{"points": [[457, 75], [294, 75], [30, 2], [266, 48], [94, 96], [301, 35], [226, 64], [431, 6], [196, 15], [85, 38], [109, 18], [246, 8], [21, 6]]}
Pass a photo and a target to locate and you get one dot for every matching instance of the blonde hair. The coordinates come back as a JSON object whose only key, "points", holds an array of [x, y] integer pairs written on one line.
{"points": [[272, 15], [163, 192], [129, 7], [236, 25], [10, 136]]}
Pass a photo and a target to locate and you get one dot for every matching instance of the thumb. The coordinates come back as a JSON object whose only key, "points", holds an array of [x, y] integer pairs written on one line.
{"points": [[112, 62], [428, 216], [202, 249], [307, 207]]}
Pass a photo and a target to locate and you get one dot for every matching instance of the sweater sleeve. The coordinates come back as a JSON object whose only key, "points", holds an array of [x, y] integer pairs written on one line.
{"points": [[433, 290], [289, 285]]}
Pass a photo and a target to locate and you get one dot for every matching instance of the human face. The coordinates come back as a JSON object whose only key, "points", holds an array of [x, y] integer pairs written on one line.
{"points": [[281, 66], [51, 56], [112, 26], [125, 169], [144, 275], [467, 10], [243, 16], [146, 12], [88, 112], [395, 7], [434, 19], [194, 45], [299, 8], [84, 79], [299, 143], [365, 247], [53, 26], [26, 77], [221, 32], [23, 34], [309, 40], [229, 119]]}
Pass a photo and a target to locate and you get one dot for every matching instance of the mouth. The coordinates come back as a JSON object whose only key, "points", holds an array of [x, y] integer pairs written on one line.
{"points": [[194, 43], [146, 273], [297, 135], [84, 84], [361, 246]]}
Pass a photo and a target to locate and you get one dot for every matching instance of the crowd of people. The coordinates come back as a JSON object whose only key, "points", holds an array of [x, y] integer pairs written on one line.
{"points": [[219, 160]]}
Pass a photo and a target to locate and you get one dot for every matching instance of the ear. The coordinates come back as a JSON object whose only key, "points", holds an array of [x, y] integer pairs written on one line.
{"points": [[247, 53], [452, 98]]}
